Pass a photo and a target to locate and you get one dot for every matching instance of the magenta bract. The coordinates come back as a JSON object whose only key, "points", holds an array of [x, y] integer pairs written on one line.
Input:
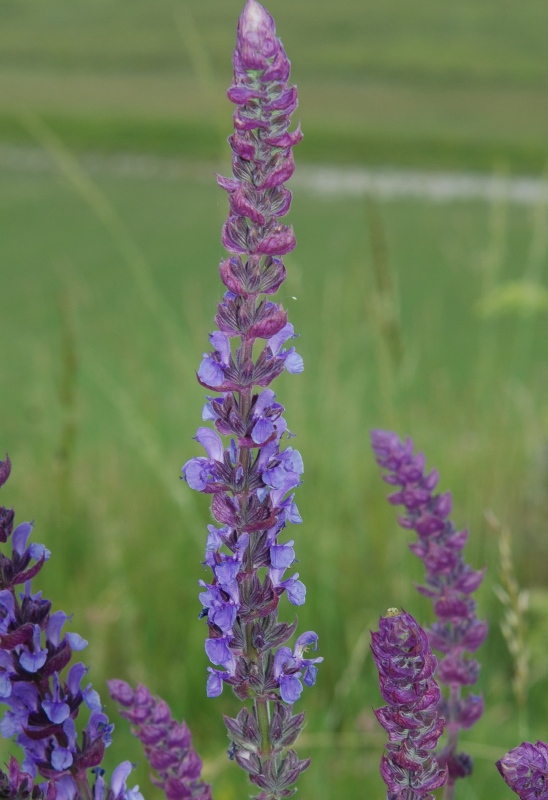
{"points": [[406, 665]]}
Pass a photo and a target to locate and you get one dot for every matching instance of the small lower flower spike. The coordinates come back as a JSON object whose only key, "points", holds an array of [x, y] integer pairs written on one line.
{"points": [[406, 665]]}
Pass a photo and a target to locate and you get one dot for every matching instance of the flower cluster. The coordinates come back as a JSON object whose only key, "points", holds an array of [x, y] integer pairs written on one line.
{"points": [[449, 583], [406, 667], [42, 704], [252, 478], [525, 770], [166, 742], [19, 785]]}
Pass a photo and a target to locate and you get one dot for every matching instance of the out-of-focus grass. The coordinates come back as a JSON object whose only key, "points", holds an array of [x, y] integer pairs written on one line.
{"points": [[127, 560], [479, 43], [423, 83]]}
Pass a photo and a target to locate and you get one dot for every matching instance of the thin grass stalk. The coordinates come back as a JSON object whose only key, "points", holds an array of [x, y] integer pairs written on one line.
{"points": [[532, 278], [515, 602], [68, 401], [83, 184], [491, 262], [202, 69], [384, 312]]}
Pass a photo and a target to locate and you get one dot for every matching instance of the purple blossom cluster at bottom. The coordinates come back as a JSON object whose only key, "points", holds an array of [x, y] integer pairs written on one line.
{"points": [[19, 785], [43, 701]]}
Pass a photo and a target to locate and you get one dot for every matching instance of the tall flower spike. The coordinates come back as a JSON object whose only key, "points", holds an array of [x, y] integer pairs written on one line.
{"points": [[406, 667], [252, 478], [525, 770], [449, 584]]}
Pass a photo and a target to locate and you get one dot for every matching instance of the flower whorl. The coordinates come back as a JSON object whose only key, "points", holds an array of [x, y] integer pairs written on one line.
{"points": [[406, 667]]}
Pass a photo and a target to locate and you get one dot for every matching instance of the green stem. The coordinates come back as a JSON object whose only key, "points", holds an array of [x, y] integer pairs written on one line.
{"points": [[82, 784], [262, 707], [452, 736], [449, 790]]}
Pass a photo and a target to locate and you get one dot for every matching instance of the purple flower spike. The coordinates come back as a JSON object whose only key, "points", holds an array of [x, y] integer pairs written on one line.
{"points": [[525, 770], [406, 665], [449, 584], [166, 742], [251, 477]]}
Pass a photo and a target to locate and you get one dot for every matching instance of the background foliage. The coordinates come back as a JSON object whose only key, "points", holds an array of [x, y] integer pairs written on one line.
{"points": [[421, 317]]}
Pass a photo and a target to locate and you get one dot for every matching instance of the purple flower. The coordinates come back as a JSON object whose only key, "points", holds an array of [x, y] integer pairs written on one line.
{"points": [[525, 770], [219, 653], [215, 681], [221, 607], [449, 584], [290, 667], [406, 667], [117, 789]]}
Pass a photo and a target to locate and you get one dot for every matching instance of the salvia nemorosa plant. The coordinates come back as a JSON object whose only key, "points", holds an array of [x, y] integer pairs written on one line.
{"points": [[43, 701], [449, 583], [406, 664], [250, 471], [251, 477]]}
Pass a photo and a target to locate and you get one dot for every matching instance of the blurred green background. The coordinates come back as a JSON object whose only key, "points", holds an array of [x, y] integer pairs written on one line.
{"points": [[425, 317]]}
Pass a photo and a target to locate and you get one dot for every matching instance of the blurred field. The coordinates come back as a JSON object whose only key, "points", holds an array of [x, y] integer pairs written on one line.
{"points": [[422, 83], [429, 319]]}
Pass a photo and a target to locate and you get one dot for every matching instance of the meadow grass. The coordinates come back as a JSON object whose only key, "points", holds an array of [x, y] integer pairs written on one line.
{"points": [[428, 84], [99, 402]]}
